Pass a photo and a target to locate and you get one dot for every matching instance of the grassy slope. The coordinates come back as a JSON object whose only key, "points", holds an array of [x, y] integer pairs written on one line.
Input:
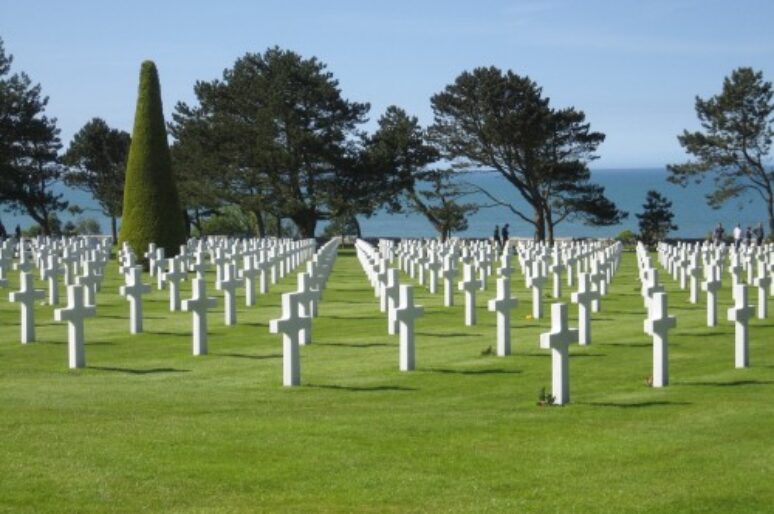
{"points": [[149, 427]]}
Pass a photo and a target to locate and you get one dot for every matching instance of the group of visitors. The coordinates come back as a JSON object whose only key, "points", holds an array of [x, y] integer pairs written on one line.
{"points": [[749, 234], [501, 236]]}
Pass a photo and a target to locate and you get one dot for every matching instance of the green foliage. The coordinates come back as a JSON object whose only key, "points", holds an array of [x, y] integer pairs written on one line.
{"points": [[655, 221], [342, 226], [497, 120], [439, 201], [29, 147], [734, 143], [627, 237], [152, 212], [279, 134], [229, 221], [88, 227], [96, 162], [545, 399], [52, 227], [398, 155]]}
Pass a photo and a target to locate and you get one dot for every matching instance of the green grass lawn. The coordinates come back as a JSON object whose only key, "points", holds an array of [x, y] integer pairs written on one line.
{"points": [[149, 427]]}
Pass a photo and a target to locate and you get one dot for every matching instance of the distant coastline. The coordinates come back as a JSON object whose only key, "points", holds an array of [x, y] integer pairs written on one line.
{"points": [[625, 186]]}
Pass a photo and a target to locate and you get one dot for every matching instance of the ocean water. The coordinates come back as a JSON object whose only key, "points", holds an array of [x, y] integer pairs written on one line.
{"points": [[626, 187]]}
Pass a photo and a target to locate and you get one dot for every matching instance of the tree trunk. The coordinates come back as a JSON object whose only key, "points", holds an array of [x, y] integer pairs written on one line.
{"points": [[771, 218], [260, 225], [114, 228], [550, 227], [306, 223], [540, 225], [358, 231], [278, 220]]}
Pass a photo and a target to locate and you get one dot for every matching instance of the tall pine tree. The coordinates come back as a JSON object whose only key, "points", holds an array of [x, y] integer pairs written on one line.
{"points": [[656, 218], [29, 147]]}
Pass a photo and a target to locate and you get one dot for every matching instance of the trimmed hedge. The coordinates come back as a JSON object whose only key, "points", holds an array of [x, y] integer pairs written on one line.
{"points": [[152, 212]]}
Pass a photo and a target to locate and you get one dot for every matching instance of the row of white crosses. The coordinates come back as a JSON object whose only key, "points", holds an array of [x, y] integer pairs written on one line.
{"points": [[682, 261], [52, 256], [600, 261], [81, 262], [298, 309], [477, 260], [396, 300], [558, 339], [228, 280]]}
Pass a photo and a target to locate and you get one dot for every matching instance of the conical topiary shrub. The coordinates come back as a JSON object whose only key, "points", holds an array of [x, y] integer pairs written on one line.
{"points": [[152, 212]]}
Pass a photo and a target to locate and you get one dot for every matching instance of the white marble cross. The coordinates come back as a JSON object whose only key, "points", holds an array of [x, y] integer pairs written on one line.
{"points": [[133, 291], [651, 286], [150, 255], [306, 296], [584, 297], [558, 340], [597, 278], [406, 314], [469, 285], [290, 325], [229, 284], [392, 292], [503, 304], [74, 314], [448, 274], [536, 281], [89, 280], [24, 265], [694, 272], [711, 285], [220, 260], [26, 296], [174, 275], [250, 273], [51, 273], [740, 314], [735, 270], [198, 305], [556, 270], [160, 273], [200, 265], [658, 325], [433, 267], [762, 283]]}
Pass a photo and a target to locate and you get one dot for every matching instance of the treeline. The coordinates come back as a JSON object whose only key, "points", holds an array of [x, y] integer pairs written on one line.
{"points": [[273, 145]]}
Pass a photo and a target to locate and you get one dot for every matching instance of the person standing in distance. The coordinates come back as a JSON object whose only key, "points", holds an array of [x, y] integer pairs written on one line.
{"points": [[737, 236], [759, 234]]}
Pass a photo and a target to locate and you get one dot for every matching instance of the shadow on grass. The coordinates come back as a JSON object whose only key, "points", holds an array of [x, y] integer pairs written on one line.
{"points": [[632, 345], [255, 324], [164, 333], [572, 355], [497, 371], [362, 389], [448, 334], [132, 371], [248, 356], [354, 345], [637, 405], [728, 384], [87, 343], [352, 317], [115, 316]]}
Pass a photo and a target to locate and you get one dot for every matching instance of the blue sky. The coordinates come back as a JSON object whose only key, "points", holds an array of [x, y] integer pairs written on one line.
{"points": [[634, 67]]}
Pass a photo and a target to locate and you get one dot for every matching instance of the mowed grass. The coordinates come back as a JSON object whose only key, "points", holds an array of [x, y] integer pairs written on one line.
{"points": [[148, 427]]}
